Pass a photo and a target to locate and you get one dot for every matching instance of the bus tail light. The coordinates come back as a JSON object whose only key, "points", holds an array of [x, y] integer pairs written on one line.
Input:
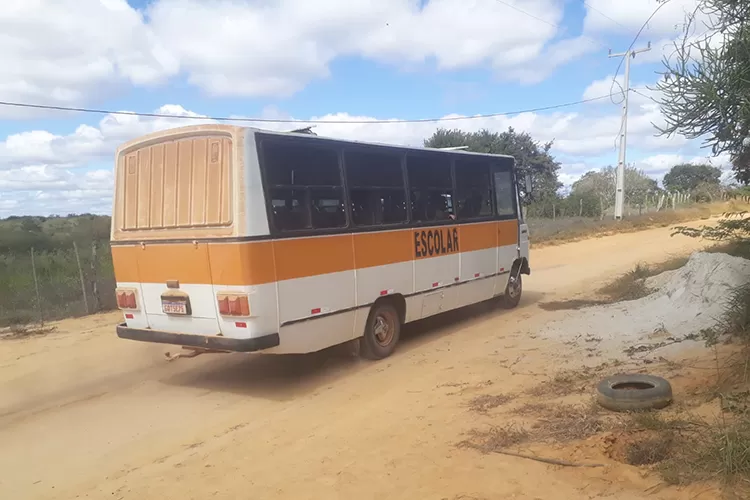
{"points": [[233, 304], [127, 298]]}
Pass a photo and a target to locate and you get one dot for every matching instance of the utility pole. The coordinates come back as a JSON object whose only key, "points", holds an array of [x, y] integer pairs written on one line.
{"points": [[620, 188]]}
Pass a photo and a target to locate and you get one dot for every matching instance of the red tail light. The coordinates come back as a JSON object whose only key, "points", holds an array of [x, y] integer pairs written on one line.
{"points": [[126, 298], [233, 304]]}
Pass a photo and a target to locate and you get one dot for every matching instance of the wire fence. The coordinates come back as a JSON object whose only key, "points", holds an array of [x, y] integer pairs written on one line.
{"points": [[41, 286]]}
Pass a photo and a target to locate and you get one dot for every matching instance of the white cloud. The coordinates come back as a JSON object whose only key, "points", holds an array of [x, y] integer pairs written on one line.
{"points": [[84, 50], [605, 16], [44, 190], [659, 164], [67, 52], [86, 143], [235, 47]]}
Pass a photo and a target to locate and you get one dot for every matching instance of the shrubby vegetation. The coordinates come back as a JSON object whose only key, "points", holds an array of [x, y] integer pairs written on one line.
{"points": [[57, 268]]}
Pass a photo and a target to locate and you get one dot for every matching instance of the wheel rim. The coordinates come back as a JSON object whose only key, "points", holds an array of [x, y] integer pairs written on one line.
{"points": [[383, 329], [514, 287]]}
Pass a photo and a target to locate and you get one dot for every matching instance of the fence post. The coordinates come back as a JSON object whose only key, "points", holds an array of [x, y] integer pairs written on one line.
{"points": [[94, 279], [36, 288], [80, 275]]}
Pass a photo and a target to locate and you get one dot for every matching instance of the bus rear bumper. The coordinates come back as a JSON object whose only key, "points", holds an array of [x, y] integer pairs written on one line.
{"points": [[200, 341]]}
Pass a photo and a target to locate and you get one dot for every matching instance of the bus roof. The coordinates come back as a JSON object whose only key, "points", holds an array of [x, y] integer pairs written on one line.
{"points": [[302, 133], [309, 136]]}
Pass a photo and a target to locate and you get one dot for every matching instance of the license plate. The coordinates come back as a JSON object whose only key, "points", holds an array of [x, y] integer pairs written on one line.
{"points": [[174, 307]]}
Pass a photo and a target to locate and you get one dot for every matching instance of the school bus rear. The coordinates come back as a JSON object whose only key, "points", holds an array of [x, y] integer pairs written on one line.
{"points": [[184, 202]]}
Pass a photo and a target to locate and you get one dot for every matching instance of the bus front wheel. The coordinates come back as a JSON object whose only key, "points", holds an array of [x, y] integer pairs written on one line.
{"points": [[382, 332]]}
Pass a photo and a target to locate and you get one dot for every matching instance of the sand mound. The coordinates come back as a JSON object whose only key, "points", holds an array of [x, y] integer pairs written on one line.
{"points": [[684, 302]]}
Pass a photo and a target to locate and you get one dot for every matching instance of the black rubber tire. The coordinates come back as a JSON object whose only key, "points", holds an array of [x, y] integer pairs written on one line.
{"points": [[369, 346], [634, 392], [509, 300]]}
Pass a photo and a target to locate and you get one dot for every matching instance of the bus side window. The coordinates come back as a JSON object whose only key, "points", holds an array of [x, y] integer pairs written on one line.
{"points": [[431, 187], [376, 187], [304, 185], [289, 209], [504, 191], [473, 188]]}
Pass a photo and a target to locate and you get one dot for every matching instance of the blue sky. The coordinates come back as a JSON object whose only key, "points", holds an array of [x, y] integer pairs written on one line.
{"points": [[329, 59]]}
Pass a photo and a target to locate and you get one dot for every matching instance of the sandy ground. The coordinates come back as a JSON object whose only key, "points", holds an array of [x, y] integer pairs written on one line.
{"points": [[86, 415]]}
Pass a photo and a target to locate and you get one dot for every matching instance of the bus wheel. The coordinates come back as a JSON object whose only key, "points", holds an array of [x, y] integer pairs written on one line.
{"points": [[513, 290], [382, 332]]}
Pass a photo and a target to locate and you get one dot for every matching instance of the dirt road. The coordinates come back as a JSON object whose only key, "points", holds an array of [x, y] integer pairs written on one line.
{"points": [[84, 414]]}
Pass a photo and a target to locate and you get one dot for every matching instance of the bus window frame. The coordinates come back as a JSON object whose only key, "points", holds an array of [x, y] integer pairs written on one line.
{"points": [[495, 162], [490, 169], [267, 187], [395, 152]]}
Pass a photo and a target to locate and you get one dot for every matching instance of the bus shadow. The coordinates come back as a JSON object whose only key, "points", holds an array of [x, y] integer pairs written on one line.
{"points": [[422, 332], [284, 377]]}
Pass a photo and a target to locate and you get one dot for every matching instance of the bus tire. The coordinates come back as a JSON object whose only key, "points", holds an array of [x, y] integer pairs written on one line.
{"points": [[513, 289], [382, 331]]}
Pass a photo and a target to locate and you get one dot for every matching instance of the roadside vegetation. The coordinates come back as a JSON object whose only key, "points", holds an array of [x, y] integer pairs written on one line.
{"points": [[706, 436]]}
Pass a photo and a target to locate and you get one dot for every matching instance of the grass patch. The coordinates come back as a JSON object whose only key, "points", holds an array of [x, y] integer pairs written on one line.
{"points": [[562, 384], [486, 402], [547, 232], [572, 304], [496, 438], [650, 451], [568, 382], [563, 423], [689, 450], [721, 453], [629, 286], [16, 332]]}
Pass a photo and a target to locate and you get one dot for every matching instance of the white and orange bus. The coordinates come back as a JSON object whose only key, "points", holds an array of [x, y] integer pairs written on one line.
{"points": [[229, 239]]}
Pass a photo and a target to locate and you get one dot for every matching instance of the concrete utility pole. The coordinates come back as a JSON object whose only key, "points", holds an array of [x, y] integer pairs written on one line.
{"points": [[620, 189]]}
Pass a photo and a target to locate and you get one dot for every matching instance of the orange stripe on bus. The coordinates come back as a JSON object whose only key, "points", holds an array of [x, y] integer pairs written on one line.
{"points": [[302, 257], [259, 262], [242, 263], [382, 248]]}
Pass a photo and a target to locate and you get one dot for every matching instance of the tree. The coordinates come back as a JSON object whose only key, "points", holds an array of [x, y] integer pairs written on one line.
{"points": [[531, 157], [687, 177], [603, 184], [638, 187], [705, 88]]}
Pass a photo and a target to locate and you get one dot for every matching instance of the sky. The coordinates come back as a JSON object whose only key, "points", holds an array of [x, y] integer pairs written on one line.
{"points": [[323, 60]]}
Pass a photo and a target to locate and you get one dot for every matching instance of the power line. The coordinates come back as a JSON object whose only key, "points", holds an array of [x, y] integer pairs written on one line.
{"points": [[644, 95], [549, 23], [603, 14], [528, 14], [635, 39], [281, 120]]}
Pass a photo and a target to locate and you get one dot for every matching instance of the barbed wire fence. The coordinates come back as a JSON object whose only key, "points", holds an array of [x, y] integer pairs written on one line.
{"points": [[42, 286]]}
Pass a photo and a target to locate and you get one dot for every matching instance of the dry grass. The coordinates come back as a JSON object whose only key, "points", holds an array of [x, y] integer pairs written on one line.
{"points": [[495, 438], [546, 232], [568, 382], [564, 423], [23, 331], [721, 452], [629, 286], [688, 449], [651, 451], [571, 304], [486, 402]]}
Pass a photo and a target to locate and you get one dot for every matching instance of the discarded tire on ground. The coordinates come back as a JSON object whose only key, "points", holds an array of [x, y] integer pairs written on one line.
{"points": [[631, 392]]}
